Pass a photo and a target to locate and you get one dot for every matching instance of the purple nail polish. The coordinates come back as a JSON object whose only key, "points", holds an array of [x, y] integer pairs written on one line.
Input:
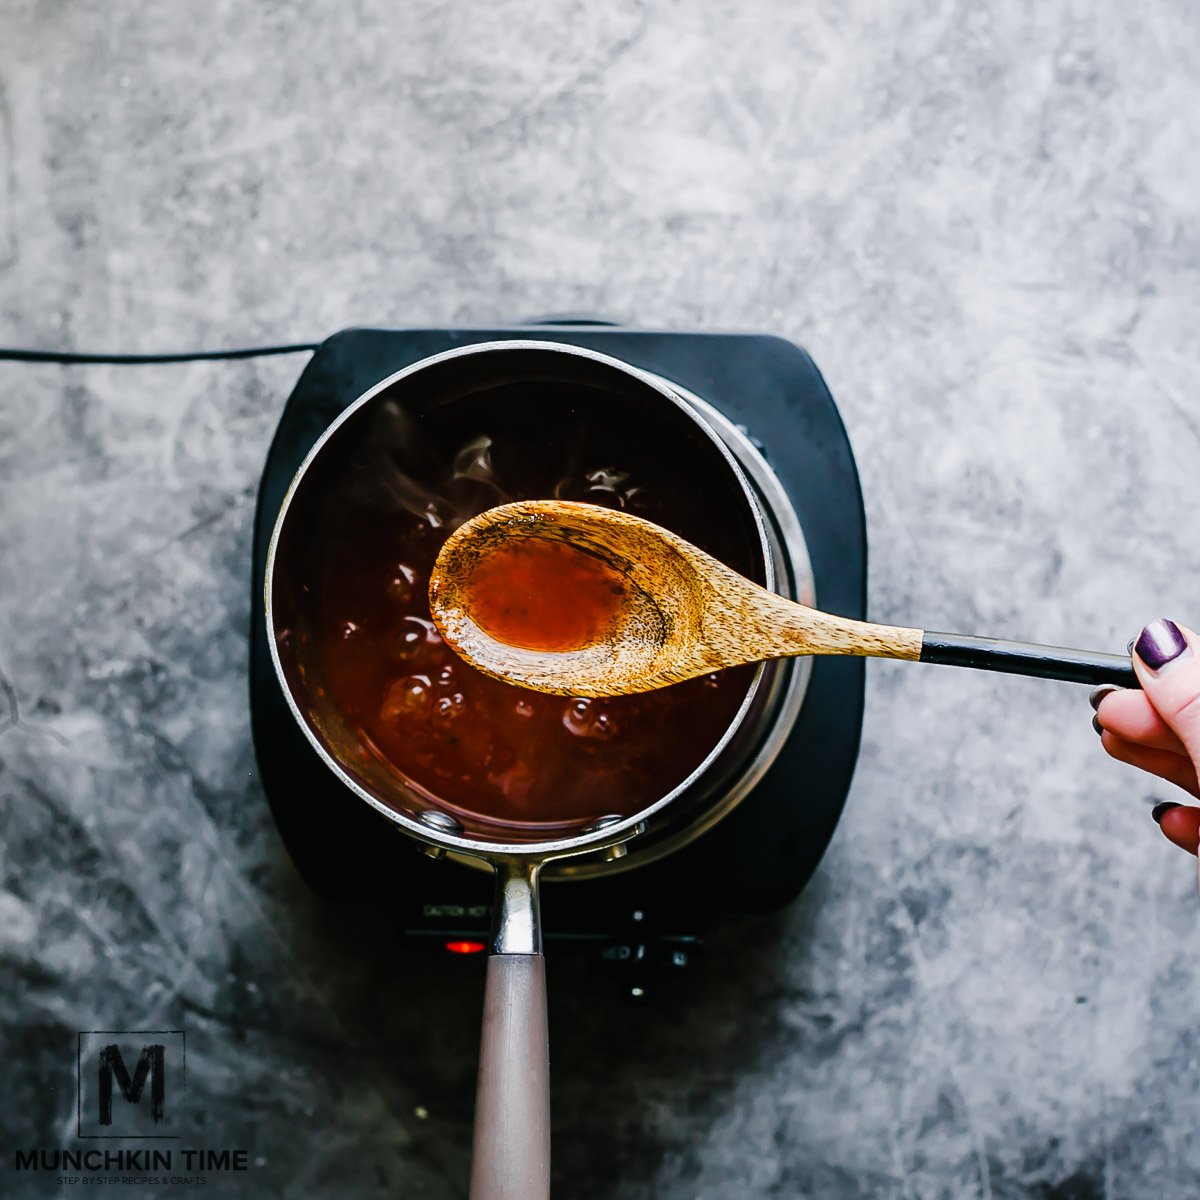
{"points": [[1159, 643], [1105, 689]]}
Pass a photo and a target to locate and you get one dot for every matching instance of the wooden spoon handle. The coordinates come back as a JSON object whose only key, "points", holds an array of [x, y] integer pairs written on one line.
{"points": [[809, 632], [1028, 658], [795, 629]]}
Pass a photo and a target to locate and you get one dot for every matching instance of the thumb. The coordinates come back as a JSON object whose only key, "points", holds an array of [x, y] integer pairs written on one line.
{"points": [[1168, 666]]}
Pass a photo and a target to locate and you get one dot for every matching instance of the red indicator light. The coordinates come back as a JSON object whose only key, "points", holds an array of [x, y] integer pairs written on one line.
{"points": [[466, 947]]}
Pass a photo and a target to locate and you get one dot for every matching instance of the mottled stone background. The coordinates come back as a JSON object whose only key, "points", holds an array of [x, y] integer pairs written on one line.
{"points": [[981, 219]]}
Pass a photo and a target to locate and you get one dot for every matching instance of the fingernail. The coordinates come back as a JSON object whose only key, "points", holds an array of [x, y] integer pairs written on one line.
{"points": [[1099, 693], [1161, 642], [1165, 807], [1097, 726]]}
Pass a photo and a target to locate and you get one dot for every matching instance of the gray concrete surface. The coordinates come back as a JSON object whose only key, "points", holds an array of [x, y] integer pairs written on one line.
{"points": [[980, 219]]}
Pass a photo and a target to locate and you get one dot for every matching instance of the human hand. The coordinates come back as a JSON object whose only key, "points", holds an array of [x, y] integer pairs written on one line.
{"points": [[1158, 728]]}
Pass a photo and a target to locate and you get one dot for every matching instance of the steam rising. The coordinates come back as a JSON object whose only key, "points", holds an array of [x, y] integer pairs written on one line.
{"points": [[391, 462]]}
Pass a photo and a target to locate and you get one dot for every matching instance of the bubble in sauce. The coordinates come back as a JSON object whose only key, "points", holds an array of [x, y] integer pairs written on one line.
{"points": [[605, 496], [350, 628], [607, 477], [415, 633], [602, 486], [450, 708], [403, 581], [409, 696], [516, 782], [639, 501], [587, 719], [524, 708]]}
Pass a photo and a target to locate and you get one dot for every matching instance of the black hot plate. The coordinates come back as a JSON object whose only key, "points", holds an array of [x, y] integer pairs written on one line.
{"points": [[766, 850]]}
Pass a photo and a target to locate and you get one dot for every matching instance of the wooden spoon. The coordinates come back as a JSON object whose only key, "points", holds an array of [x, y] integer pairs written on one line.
{"points": [[579, 600]]}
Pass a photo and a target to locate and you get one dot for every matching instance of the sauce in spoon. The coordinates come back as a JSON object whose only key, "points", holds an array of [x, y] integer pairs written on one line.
{"points": [[545, 595]]}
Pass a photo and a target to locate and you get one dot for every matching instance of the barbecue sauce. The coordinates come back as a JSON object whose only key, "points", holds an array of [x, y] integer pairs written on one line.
{"points": [[544, 594]]}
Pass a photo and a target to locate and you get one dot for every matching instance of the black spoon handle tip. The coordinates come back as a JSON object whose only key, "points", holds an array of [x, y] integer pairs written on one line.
{"points": [[1028, 658]]}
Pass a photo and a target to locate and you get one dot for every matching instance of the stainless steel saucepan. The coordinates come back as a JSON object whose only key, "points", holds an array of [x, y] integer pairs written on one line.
{"points": [[511, 1158]]}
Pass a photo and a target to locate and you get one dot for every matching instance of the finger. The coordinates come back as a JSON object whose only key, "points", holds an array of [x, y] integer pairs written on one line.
{"points": [[1129, 714], [1168, 667], [1180, 824], [1174, 768]]}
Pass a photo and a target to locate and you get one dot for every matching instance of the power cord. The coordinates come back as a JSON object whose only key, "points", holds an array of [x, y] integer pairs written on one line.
{"points": [[68, 358]]}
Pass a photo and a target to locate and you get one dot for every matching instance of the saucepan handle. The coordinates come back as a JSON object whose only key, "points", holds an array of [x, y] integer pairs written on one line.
{"points": [[511, 1158]]}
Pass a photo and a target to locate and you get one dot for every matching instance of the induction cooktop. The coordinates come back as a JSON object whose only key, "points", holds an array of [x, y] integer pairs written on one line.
{"points": [[761, 855]]}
